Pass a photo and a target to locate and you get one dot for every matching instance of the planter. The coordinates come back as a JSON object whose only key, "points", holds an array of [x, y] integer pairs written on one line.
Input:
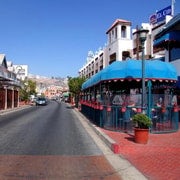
{"points": [[141, 135]]}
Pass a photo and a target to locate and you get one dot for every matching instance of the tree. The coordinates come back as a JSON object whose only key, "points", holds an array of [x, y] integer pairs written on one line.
{"points": [[28, 88], [75, 87]]}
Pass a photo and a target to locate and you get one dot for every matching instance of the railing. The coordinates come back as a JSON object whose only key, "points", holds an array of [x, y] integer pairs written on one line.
{"points": [[164, 119], [118, 118]]}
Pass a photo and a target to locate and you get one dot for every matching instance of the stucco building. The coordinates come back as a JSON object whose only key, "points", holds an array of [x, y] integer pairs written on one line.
{"points": [[119, 47]]}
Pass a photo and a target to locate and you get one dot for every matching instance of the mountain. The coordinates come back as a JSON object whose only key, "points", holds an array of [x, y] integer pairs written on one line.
{"points": [[47, 82]]}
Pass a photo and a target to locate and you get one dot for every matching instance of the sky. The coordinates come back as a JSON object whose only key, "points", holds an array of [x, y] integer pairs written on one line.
{"points": [[53, 37]]}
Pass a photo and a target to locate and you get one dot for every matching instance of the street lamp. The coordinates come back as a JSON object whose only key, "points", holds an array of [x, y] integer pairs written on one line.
{"points": [[142, 34]]}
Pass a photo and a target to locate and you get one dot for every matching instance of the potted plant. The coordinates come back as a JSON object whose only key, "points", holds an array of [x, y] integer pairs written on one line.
{"points": [[141, 131]]}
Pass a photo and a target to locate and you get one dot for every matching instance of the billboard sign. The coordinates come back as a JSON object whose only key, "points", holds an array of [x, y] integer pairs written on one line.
{"points": [[160, 15]]}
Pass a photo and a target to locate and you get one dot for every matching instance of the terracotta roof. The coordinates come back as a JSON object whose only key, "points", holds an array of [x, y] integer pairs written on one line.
{"points": [[119, 21]]}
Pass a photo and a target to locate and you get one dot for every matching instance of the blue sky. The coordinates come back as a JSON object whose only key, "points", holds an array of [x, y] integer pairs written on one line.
{"points": [[53, 37]]}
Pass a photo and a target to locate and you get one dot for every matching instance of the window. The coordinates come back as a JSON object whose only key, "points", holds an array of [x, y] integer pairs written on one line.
{"points": [[110, 37], [123, 31], [116, 33], [174, 54], [125, 55], [112, 58]]}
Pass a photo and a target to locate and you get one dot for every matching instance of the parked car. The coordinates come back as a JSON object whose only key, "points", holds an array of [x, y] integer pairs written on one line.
{"points": [[41, 101]]}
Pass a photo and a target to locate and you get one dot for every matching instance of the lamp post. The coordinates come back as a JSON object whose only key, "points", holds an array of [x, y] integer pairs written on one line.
{"points": [[142, 34]]}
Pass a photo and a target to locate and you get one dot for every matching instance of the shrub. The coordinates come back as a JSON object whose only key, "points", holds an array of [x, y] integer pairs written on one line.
{"points": [[142, 121]]}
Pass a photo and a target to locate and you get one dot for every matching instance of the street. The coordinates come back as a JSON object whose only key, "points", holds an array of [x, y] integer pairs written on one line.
{"points": [[49, 142]]}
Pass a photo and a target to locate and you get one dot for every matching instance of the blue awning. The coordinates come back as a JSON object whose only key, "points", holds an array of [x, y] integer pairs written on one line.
{"points": [[171, 36], [132, 69]]}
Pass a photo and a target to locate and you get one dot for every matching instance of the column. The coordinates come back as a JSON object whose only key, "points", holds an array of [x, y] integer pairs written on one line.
{"points": [[5, 97]]}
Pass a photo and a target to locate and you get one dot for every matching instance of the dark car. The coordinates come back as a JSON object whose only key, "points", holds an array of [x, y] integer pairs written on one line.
{"points": [[41, 101]]}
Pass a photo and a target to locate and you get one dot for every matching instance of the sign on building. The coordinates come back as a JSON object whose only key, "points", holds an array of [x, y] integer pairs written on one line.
{"points": [[160, 16], [21, 71]]}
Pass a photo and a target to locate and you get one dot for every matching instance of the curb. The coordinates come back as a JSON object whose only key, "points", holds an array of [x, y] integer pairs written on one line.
{"points": [[3, 112], [124, 168], [108, 141], [104, 137]]}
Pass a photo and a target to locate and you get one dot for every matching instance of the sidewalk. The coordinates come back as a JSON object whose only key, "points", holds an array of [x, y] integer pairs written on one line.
{"points": [[5, 111], [157, 160]]}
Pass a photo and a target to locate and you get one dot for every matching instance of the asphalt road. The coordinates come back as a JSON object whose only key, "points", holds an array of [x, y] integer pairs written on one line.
{"points": [[45, 130], [49, 142]]}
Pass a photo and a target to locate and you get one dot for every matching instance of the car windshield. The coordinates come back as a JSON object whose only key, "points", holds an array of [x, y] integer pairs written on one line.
{"points": [[41, 99]]}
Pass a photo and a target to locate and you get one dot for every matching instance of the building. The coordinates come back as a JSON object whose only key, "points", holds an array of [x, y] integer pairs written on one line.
{"points": [[106, 92], [9, 86], [94, 63], [119, 47], [168, 40], [137, 46], [156, 28], [53, 92]]}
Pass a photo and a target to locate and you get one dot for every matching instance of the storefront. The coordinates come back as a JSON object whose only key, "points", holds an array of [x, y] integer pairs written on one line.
{"points": [[112, 96]]}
